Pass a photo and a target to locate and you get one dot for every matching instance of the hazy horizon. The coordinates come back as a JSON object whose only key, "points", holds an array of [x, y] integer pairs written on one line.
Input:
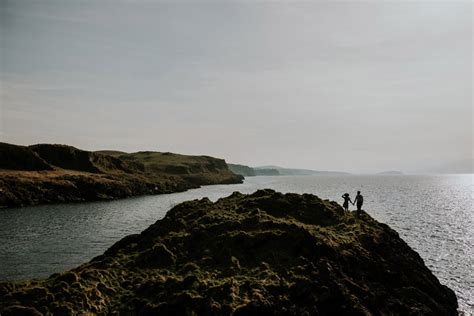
{"points": [[361, 87]]}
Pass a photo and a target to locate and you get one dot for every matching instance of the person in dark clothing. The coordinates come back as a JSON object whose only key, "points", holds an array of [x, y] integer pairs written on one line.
{"points": [[347, 199], [359, 200]]}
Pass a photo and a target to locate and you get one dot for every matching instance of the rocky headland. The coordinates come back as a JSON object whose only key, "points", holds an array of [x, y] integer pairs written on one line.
{"points": [[261, 254], [243, 170], [46, 173]]}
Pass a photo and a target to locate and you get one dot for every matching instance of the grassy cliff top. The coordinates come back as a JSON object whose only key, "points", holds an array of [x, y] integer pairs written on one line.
{"points": [[153, 158]]}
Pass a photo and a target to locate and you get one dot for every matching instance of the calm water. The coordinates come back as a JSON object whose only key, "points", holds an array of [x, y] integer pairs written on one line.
{"points": [[433, 214]]}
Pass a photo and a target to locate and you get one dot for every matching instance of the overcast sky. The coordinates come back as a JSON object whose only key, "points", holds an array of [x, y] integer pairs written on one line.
{"points": [[352, 86]]}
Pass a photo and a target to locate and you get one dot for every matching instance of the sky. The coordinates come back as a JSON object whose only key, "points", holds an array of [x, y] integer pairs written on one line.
{"points": [[357, 86]]}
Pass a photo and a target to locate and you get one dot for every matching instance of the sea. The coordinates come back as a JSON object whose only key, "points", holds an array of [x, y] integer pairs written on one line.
{"points": [[434, 214]]}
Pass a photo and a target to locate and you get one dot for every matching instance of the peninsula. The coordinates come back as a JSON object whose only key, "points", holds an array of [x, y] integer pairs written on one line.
{"points": [[47, 173]]}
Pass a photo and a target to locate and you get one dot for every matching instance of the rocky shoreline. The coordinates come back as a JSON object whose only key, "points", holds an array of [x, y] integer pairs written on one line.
{"points": [[45, 173], [266, 253]]}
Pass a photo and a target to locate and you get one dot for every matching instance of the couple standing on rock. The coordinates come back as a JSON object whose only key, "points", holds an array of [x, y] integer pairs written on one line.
{"points": [[359, 199]]}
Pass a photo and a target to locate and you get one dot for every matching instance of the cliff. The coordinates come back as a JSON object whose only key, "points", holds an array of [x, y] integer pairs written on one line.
{"points": [[47, 173], [262, 254], [245, 171], [199, 170], [71, 158], [13, 157]]}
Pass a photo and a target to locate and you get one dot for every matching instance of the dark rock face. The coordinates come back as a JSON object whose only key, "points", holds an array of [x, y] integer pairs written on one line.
{"points": [[71, 158], [260, 254], [14, 157]]}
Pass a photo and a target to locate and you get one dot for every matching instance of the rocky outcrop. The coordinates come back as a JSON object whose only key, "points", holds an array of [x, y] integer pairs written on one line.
{"points": [[48, 173], [262, 254]]}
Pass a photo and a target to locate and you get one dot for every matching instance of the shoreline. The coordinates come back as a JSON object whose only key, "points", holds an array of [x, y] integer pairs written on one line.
{"points": [[19, 190], [50, 174]]}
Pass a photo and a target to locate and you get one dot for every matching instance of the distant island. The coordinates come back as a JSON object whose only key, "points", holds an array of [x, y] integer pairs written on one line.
{"points": [[50, 173], [392, 172], [247, 171]]}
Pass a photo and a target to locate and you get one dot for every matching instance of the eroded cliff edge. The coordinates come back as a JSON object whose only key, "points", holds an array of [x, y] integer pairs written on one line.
{"points": [[262, 254], [48, 173]]}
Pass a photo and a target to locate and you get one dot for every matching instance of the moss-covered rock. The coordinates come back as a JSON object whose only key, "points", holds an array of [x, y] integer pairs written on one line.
{"points": [[262, 254]]}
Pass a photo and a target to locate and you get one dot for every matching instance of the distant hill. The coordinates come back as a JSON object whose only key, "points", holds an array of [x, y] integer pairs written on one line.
{"points": [[266, 172], [245, 171], [300, 172], [51, 173], [393, 173]]}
